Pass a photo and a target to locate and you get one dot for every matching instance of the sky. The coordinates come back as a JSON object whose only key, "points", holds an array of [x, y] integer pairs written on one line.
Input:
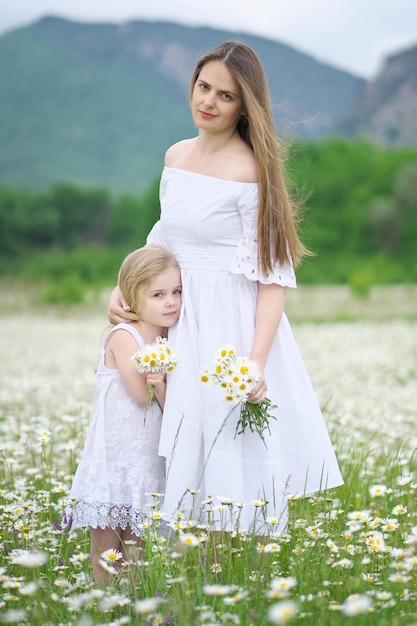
{"points": [[352, 35]]}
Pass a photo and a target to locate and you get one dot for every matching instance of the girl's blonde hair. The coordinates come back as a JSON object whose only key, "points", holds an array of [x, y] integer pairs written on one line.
{"points": [[278, 240], [139, 268]]}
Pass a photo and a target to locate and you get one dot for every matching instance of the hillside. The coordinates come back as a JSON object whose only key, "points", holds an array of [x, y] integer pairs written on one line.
{"points": [[98, 104], [385, 111]]}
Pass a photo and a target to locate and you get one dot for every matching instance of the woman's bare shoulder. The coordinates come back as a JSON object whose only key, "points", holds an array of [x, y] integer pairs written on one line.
{"points": [[176, 153], [241, 164]]}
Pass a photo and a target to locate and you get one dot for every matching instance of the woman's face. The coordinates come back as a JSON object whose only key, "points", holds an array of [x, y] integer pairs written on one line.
{"points": [[216, 102]]}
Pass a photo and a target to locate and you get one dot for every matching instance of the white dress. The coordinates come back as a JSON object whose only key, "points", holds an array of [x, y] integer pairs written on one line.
{"points": [[119, 466], [210, 226]]}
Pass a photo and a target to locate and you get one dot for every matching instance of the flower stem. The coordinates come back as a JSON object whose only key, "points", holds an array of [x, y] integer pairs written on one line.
{"points": [[255, 417], [149, 401]]}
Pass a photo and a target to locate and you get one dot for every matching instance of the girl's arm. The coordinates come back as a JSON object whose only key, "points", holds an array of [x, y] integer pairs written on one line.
{"points": [[269, 309], [117, 311], [120, 348]]}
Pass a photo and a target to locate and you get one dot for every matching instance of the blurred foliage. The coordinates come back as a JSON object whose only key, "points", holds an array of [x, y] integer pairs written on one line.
{"points": [[359, 220], [360, 217]]}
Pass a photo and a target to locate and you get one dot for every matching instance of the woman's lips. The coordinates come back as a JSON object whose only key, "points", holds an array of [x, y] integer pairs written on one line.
{"points": [[206, 115]]}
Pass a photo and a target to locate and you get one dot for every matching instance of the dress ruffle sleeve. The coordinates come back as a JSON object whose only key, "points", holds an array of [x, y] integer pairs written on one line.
{"points": [[156, 236], [245, 258]]}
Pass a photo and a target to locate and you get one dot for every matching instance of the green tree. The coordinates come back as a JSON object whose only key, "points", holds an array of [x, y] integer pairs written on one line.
{"points": [[133, 217], [82, 215]]}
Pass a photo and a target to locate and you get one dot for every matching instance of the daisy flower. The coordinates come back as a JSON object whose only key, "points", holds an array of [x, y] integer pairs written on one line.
{"points": [[239, 595], [216, 568], [356, 605], [28, 558], [108, 567], [258, 503], [403, 480], [111, 555], [237, 376], [400, 509], [377, 491], [343, 563], [29, 589], [157, 357], [225, 500], [218, 590], [281, 612], [283, 584], [148, 605], [376, 542], [190, 540], [384, 595], [272, 547], [397, 577], [390, 524], [333, 547]]}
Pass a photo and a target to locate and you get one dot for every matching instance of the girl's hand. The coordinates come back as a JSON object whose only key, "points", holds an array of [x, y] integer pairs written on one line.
{"points": [[155, 378], [119, 310], [259, 393]]}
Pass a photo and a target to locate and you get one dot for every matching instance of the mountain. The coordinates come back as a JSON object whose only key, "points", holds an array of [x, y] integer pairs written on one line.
{"points": [[385, 110], [98, 104]]}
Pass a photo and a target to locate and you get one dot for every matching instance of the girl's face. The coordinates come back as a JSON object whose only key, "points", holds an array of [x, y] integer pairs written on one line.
{"points": [[160, 300], [216, 102]]}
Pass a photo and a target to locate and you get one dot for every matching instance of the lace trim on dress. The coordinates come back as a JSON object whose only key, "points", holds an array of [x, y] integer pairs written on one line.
{"points": [[104, 515], [245, 261]]}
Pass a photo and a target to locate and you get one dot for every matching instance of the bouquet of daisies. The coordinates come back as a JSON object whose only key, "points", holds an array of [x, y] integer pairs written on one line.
{"points": [[156, 357], [237, 376]]}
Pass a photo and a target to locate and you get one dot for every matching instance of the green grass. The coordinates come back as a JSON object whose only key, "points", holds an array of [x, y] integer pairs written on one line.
{"points": [[327, 554]]}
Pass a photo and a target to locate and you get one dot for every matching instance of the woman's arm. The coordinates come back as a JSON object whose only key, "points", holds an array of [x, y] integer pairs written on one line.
{"points": [[119, 310], [269, 309]]}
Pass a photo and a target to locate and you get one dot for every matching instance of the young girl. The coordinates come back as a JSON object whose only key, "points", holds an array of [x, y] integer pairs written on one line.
{"points": [[120, 466]]}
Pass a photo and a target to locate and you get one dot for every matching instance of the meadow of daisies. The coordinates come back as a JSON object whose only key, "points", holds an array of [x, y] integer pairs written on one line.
{"points": [[348, 556]]}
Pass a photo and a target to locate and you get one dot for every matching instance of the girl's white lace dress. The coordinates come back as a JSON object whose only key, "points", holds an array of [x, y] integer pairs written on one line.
{"points": [[210, 225], [119, 466]]}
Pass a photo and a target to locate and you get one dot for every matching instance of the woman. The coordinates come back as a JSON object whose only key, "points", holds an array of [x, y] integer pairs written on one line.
{"points": [[227, 216]]}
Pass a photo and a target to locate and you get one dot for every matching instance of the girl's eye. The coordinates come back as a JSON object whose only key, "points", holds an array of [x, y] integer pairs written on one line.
{"points": [[178, 292], [157, 295]]}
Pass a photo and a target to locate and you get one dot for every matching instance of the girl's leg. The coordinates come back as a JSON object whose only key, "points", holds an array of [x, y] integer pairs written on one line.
{"points": [[102, 539], [131, 545]]}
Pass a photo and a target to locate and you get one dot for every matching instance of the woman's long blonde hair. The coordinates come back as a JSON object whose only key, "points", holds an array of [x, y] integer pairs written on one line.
{"points": [[278, 239], [141, 267]]}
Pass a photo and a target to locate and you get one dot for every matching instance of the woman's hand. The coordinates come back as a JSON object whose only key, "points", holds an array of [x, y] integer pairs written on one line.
{"points": [[119, 310], [259, 392]]}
